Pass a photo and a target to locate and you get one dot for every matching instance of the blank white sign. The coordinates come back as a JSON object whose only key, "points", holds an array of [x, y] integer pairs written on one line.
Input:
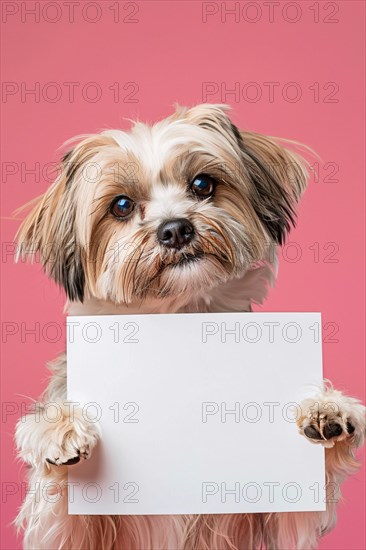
{"points": [[198, 413]]}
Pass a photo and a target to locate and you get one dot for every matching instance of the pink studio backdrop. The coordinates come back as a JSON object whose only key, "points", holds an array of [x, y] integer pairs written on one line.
{"points": [[296, 70]]}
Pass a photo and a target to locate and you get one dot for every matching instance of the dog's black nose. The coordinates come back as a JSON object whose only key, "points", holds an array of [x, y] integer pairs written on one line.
{"points": [[175, 233]]}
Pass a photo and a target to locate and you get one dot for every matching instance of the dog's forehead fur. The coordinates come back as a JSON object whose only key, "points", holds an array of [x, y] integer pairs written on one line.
{"points": [[158, 149]]}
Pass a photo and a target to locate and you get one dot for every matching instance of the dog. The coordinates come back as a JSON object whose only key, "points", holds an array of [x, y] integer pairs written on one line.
{"points": [[180, 216]]}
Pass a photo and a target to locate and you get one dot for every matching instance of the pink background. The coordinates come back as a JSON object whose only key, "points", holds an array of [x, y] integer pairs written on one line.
{"points": [[168, 52]]}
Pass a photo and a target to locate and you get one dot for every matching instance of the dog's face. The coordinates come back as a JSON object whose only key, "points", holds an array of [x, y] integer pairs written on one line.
{"points": [[174, 208]]}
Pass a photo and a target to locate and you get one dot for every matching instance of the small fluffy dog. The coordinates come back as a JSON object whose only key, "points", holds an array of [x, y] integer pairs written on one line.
{"points": [[174, 217]]}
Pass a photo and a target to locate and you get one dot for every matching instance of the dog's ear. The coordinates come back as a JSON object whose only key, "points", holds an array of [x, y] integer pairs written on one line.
{"points": [[279, 178], [49, 229]]}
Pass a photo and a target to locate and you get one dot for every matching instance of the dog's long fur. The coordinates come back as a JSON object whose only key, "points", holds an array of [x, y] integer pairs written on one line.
{"points": [[109, 265]]}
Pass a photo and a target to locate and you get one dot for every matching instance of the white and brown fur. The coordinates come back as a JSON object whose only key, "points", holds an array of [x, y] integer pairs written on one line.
{"points": [[110, 266]]}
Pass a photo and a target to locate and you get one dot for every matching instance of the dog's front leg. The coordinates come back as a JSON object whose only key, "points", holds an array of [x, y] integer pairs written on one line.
{"points": [[55, 431], [338, 423]]}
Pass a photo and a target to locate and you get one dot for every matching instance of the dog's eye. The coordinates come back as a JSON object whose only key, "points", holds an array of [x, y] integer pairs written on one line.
{"points": [[122, 206], [203, 186]]}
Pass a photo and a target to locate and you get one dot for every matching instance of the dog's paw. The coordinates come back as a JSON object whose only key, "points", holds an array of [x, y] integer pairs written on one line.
{"points": [[70, 449], [55, 434], [331, 417], [69, 439]]}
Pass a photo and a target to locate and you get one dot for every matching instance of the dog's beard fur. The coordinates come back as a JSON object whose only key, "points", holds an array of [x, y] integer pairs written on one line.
{"points": [[92, 254], [137, 268]]}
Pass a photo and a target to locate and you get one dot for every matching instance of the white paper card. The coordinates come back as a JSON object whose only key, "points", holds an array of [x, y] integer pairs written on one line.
{"points": [[197, 413]]}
